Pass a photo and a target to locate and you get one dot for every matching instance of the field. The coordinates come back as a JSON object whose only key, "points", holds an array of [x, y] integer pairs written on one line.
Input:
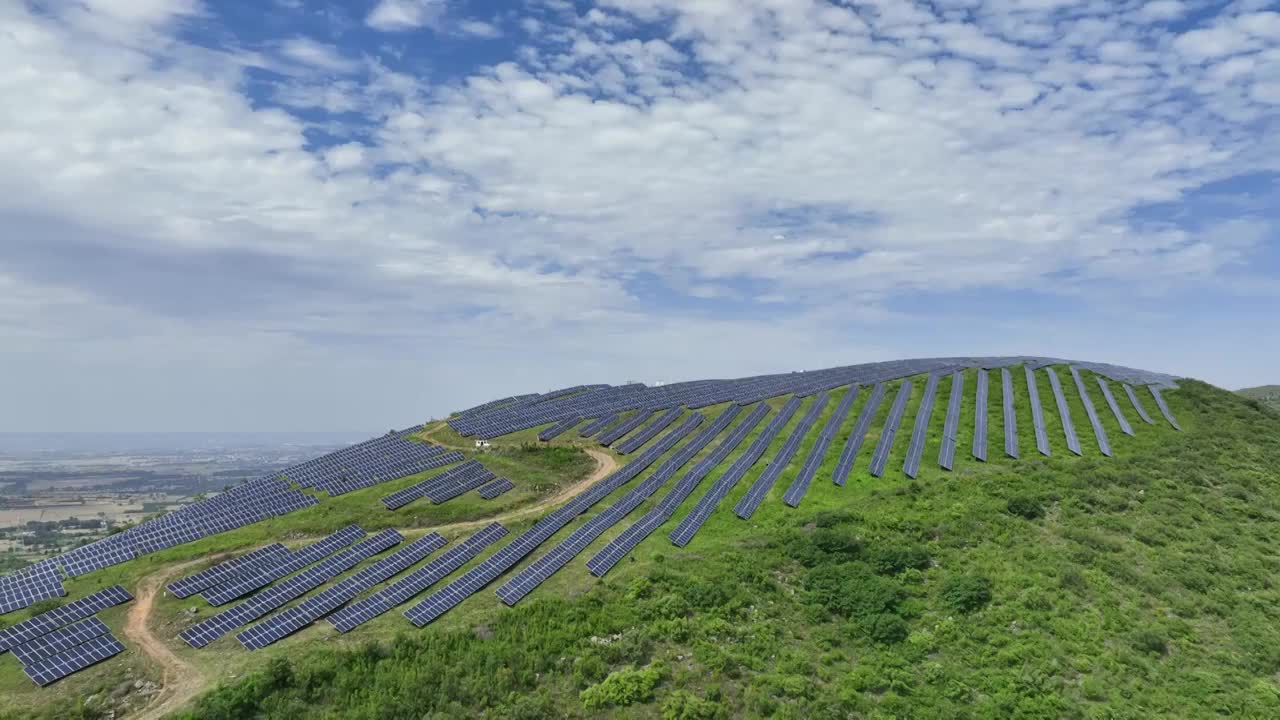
{"points": [[1059, 587], [1267, 395]]}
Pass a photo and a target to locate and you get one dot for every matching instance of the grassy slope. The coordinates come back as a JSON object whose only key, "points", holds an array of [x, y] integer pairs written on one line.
{"points": [[1268, 395], [1143, 590]]}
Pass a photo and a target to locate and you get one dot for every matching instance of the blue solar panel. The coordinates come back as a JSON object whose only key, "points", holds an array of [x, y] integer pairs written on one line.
{"points": [[290, 620], [747, 506], [597, 425], [880, 457], [1164, 408], [538, 571], [648, 432], [293, 562], [692, 522], [495, 488], [951, 427], [222, 572], [59, 641], [859, 435], [1100, 433], [559, 428], [415, 582], [608, 437], [45, 623], [1125, 427], [1137, 405], [77, 658], [1064, 411], [818, 452], [1010, 414], [1037, 414], [920, 432], [980, 416]]}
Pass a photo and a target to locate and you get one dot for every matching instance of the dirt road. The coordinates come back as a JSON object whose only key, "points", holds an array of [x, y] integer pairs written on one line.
{"points": [[182, 681]]}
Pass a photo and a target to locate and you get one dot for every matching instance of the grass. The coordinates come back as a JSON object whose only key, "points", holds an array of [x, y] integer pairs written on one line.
{"points": [[1065, 587], [1267, 395]]}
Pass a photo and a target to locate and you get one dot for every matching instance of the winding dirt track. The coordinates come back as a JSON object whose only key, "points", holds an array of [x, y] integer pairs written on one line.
{"points": [[182, 681]]}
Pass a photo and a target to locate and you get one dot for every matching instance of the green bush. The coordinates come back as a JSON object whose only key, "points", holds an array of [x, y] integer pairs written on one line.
{"points": [[622, 687], [684, 705], [1025, 507], [966, 593], [887, 629], [1150, 642], [894, 559], [853, 590]]}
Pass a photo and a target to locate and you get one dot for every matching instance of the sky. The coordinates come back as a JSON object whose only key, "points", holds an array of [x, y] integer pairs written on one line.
{"points": [[294, 215]]}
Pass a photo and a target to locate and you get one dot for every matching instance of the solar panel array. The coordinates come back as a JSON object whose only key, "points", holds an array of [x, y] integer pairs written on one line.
{"points": [[60, 640], [290, 620], [47, 622], [746, 507], [1064, 410], [880, 457], [415, 582], [439, 486], [544, 567], [476, 578], [1116, 412], [951, 426], [980, 417], [58, 666], [800, 485], [652, 520], [294, 561], [637, 441], [844, 465], [1037, 413], [1100, 433], [275, 596], [920, 432], [1164, 408], [494, 488], [1010, 413], [611, 435], [1137, 405], [377, 460], [597, 425], [702, 510], [29, 586], [559, 429], [224, 571]]}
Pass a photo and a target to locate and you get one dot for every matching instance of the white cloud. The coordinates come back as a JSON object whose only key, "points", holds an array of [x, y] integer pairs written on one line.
{"points": [[318, 55], [479, 28], [399, 15]]}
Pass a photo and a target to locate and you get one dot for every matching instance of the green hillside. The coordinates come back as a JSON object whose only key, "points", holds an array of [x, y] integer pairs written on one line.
{"points": [[1268, 395], [1063, 587]]}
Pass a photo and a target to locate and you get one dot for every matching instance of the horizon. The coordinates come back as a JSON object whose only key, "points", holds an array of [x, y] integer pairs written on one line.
{"points": [[229, 214]]}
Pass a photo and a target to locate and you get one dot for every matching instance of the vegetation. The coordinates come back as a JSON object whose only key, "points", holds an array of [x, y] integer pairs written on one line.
{"points": [[1060, 587], [1267, 396]]}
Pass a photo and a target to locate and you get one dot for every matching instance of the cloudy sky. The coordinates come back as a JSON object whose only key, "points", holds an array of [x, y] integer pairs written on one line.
{"points": [[322, 215]]}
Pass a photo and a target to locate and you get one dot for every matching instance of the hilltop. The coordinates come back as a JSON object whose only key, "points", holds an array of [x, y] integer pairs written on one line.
{"points": [[1046, 586], [1268, 395]]}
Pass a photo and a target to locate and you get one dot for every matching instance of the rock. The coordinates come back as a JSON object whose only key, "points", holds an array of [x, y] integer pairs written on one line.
{"points": [[122, 689], [137, 684], [484, 632]]}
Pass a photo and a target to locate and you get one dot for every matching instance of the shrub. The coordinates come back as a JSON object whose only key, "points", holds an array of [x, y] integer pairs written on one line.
{"points": [[887, 629], [966, 593], [852, 590], [622, 687], [891, 560], [1026, 507], [1150, 643], [684, 705]]}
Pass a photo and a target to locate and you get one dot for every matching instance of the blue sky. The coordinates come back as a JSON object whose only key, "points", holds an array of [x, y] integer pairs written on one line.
{"points": [[298, 216]]}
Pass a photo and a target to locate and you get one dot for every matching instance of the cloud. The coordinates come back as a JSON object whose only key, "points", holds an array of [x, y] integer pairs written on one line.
{"points": [[317, 55], [400, 15], [479, 28]]}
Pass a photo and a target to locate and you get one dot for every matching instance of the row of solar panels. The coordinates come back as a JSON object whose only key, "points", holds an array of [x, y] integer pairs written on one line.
{"points": [[57, 643], [602, 402]]}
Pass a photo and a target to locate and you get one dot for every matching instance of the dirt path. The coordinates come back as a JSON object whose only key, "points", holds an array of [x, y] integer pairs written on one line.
{"points": [[182, 681]]}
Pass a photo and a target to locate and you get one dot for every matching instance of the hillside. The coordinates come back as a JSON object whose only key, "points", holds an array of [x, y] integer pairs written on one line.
{"points": [[1047, 586], [1268, 395]]}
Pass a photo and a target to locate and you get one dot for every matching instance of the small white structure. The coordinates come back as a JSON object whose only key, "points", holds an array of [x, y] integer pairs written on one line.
{"points": [[483, 444]]}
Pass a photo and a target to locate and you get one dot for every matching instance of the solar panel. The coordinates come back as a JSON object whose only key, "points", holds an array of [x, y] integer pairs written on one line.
{"points": [[850, 453], [637, 441], [25, 593], [1125, 427], [950, 428], [422, 489], [559, 429], [459, 487], [747, 506], [1010, 414], [77, 658], [915, 449], [523, 582], [597, 425], [618, 548], [224, 571], [296, 560], [818, 452], [415, 582], [1164, 408], [608, 437], [1100, 433], [1064, 411], [880, 457], [45, 623], [290, 620], [214, 627], [1037, 414], [692, 522], [495, 488], [980, 417], [59, 640], [1137, 405], [111, 550]]}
